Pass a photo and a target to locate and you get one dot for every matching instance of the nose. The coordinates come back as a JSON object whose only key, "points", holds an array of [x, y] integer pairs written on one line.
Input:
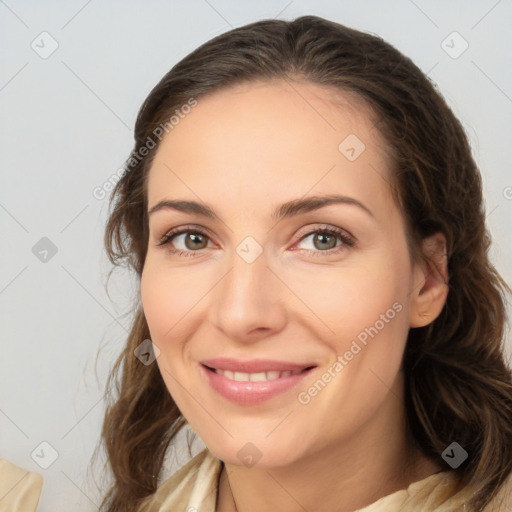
{"points": [[249, 302]]}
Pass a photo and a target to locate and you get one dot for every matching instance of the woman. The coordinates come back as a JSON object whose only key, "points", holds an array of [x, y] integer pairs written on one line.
{"points": [[364, 375]]}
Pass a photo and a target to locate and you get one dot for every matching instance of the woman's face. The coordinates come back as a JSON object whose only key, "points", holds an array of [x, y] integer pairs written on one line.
{"points": [[261, 288]]}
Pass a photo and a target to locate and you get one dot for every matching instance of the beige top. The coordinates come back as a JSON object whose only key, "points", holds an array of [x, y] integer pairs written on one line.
{"points": [[19, 489], [194, 488]]}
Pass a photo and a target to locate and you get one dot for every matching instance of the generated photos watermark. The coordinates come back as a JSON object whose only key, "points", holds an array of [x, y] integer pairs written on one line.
{"points": [[357, 345], [101, 191]]}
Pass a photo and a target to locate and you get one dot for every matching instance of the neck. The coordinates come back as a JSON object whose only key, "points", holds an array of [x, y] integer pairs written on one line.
{"points": [[351, 474]]}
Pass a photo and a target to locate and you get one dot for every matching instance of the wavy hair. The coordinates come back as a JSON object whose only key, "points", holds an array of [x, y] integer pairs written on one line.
{"points": [[458, 386]]}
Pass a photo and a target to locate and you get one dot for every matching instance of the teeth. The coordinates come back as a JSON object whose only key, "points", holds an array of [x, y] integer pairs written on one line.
{"points": [[256, 377]]}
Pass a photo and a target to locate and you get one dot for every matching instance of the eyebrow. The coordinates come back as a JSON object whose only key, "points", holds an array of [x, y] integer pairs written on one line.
{"points": [[285, 210]]}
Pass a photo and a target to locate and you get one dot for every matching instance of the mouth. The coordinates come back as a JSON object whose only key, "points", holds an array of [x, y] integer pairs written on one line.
{"points": [[252, 382]]}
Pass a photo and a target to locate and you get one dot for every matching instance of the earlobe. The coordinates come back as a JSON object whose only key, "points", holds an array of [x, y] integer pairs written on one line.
{"points": [[430, 282]]}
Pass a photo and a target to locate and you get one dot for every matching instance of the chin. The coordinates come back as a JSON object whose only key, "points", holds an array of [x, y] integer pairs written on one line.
{"points": [[257, 454]]}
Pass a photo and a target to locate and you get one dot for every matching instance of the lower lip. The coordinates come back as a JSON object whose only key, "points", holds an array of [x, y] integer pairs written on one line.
{"points": [[250, 393]]}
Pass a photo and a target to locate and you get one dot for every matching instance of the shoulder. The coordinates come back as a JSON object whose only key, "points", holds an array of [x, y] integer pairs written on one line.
{"points": [[193, 487], [502, 502], [19, 489]]}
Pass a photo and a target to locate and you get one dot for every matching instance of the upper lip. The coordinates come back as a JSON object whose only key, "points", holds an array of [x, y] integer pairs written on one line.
{"points": [[254, 365]]}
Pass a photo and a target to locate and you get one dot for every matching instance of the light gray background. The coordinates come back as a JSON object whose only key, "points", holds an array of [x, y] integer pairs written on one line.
{"points": [[66, 127]]}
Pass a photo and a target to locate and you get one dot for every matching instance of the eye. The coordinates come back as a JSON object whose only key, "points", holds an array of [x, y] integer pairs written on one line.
{"points": [[193, 240], [324, 241]]}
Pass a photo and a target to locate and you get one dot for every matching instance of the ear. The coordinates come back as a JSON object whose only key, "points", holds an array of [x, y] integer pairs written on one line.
{"points": [[428, 296]]}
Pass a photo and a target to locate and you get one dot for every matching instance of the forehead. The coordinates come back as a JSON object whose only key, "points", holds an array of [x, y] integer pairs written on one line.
{"points": [[260, 143]]}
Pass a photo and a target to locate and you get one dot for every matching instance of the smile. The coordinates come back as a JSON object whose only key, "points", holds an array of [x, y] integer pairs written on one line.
{"points": [[267, 380]]}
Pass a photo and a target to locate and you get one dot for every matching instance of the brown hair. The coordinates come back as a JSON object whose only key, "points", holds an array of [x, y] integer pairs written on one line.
{"points": [[458, 386]]}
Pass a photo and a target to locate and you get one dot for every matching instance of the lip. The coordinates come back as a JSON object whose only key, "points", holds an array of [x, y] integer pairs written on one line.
{"points": [[252, 392]]}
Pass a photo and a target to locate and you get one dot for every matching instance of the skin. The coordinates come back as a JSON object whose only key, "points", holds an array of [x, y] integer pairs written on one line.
{"points": [[244, 151]]}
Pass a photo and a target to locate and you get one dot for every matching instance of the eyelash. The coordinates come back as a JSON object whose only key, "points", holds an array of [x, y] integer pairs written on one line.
{"points": [[347, 240]]}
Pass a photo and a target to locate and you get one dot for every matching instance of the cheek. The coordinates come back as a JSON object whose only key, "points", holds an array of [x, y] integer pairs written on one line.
{"points": [[173, 301], [163, 307], [168, 295], [366, 352], [349, 301], [156, 302], [165, 299], [364, 313]]}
